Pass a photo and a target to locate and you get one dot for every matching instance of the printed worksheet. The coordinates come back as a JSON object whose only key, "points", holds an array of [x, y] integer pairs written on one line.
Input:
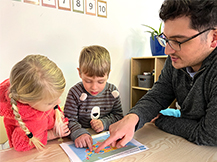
{"points": [[107, 154]]}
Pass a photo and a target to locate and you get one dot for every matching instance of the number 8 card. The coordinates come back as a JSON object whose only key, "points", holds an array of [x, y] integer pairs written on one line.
{"points": [[78, 6]]}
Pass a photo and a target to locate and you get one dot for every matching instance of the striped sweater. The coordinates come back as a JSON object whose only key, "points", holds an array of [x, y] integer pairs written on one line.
{"points": [[79, 111]]}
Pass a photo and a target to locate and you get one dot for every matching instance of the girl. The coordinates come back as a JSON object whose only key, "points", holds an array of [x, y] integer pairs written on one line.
{"points": [[29, 103]]}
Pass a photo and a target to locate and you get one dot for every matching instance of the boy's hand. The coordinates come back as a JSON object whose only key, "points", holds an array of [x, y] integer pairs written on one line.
{"points": [[84, 140], [97, 125]]}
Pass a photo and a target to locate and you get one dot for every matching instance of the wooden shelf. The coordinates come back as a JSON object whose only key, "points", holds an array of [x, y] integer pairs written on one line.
{"points": [[140, 88], [140, 65]]}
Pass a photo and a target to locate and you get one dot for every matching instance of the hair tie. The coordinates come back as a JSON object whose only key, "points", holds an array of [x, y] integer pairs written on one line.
{"points": [[56, 107], [30, 135]]}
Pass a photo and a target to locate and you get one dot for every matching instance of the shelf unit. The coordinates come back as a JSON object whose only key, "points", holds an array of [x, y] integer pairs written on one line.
{"points": [[140, 65]]}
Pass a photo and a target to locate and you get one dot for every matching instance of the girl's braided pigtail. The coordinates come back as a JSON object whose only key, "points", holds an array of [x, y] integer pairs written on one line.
{"points": [[32, 139], [59, 117]]}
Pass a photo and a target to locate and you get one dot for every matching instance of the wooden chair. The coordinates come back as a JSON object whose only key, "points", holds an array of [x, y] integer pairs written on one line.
{"points": [[3, 134]]}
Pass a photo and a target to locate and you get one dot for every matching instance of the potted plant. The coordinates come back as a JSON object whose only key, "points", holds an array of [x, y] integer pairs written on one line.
{"points": [[156, 48]]}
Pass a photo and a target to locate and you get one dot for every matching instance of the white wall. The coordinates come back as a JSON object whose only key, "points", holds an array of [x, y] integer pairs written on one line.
{"points": [[60, 35]]}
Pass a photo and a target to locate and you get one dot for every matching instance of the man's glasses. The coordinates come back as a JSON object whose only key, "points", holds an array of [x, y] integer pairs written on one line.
{"points": [[176, 45]]}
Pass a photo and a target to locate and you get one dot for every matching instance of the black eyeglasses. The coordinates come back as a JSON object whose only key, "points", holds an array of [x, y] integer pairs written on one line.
{"points": [[176, 45]]}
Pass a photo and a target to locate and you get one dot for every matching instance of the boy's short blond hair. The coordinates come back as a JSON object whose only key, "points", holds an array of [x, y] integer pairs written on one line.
{"points": [[95, 61]]}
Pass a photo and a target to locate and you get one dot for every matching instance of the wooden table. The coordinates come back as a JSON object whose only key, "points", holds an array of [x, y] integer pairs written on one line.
{"points": [[162, 146]]}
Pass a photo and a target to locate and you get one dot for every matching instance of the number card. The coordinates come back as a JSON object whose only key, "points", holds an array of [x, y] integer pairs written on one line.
{"points": [[64, 4], [49, 3], [102, 8], [91, 7], [32, 1], [78, 6]]}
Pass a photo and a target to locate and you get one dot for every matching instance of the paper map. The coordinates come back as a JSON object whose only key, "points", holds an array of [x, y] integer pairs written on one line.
{"points": [[106, 154]]}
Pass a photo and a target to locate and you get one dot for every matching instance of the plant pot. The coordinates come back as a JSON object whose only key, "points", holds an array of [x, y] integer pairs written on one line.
{"points": [[156, 48]]}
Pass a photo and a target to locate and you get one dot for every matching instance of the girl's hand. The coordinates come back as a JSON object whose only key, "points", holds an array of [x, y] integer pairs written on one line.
{"points": [[97, 125], [84, 140], [63, 131]]}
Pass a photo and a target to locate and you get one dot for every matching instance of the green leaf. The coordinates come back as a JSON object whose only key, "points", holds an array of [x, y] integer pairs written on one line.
{"points": [[154, 31], [160, 28], [148, 31], [152, 36]]}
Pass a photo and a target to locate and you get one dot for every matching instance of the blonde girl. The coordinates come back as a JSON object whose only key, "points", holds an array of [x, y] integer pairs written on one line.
{"points": [[29, 103]]}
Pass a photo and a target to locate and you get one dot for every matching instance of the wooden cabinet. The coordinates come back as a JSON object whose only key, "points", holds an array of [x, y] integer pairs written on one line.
{"points": [[140, 65]]}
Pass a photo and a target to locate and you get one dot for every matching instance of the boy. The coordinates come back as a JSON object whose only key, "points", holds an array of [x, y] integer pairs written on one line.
{"points": [[93, 102]]}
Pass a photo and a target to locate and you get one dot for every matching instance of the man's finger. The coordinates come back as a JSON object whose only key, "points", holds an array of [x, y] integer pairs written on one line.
{"points": [[122, 142], [113, 144], [107, 142]]}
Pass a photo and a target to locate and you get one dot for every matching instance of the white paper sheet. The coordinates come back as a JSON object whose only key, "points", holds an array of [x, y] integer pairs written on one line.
{"points": [[106, 154]]}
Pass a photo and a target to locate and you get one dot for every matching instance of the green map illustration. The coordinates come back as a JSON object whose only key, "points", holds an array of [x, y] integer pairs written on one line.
{"points": [[86, 155]]}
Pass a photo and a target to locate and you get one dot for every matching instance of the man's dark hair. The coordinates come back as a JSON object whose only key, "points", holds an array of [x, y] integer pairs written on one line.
{"points": [[202, 13]]}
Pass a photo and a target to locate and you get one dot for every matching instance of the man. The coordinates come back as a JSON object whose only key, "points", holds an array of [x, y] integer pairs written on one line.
{"points": [[189, 75]]}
